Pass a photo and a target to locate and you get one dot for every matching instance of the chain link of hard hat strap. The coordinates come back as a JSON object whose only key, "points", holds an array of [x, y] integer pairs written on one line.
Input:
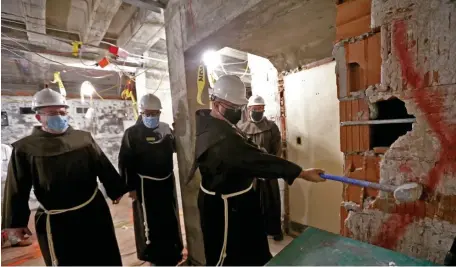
{"points": [[52, 253]]}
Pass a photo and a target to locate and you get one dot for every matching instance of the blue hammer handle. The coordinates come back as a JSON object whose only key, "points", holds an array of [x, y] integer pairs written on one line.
{"points": [[346, 180]]}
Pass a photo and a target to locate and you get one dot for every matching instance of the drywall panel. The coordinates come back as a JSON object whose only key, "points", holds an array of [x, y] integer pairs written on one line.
{"points": [[313, 138]]}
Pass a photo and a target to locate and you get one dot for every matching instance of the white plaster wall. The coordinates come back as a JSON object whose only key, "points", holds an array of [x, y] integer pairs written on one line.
{"points": [[312, 110]]}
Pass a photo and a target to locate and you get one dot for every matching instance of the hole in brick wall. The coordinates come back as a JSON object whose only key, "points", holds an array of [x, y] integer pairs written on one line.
{"points": [[298, 140], [383, 135], [355, 77]]}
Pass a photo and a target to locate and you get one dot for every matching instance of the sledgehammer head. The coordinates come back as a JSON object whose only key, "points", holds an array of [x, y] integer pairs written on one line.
{"points": [[408, 192]]}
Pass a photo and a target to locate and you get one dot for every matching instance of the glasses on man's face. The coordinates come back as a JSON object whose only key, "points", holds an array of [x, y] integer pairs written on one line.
{"points": [[54, 113], [150, 113], [257, 108]]}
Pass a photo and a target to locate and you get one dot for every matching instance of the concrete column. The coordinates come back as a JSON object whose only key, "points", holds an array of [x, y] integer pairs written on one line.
{"points": [[183, 73]]}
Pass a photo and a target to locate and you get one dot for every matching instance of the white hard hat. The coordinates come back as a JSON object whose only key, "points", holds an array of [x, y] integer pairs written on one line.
{"points": [[231, 89], [256, 100], [48, 98], [150, 102]]}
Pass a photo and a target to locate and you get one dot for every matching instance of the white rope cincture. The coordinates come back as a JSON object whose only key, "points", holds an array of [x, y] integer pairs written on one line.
{"points": [[225, 208], [143, 204], [54, 259]]}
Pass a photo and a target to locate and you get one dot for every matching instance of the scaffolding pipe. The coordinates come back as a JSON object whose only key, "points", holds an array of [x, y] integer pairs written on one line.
{"points": [[392, 121]]}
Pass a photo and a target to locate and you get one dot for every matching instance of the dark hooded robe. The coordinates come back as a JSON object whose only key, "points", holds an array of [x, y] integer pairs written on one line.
{"points": [[450, 258], [146, 165], [63, 170], [228, 165], [266, 134]]}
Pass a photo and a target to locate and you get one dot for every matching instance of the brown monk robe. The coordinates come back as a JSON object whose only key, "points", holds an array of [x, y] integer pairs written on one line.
{"points": [[146, 165], [266, 134], [63, 169]]}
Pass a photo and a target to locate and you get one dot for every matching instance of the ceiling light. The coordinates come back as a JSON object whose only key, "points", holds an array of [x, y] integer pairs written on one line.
{"points": [[87, 88], [211, 58]]}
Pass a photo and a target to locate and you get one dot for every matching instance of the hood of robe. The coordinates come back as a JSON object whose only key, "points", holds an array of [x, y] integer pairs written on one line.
{"points": [[249, 127], [209, 131], [43, 144]]}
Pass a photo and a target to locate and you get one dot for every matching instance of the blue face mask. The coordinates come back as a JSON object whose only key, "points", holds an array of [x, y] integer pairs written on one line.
{"points": [[57, 123], [151, 122]]}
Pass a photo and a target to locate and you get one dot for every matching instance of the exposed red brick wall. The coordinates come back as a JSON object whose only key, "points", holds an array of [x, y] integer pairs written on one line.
{"points": [[366, 55], [354, 138], [352, 19], [418, 68], [363, 65]]}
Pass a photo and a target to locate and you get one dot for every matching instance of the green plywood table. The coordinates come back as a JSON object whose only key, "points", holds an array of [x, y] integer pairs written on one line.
{"points": [[318, 247]]}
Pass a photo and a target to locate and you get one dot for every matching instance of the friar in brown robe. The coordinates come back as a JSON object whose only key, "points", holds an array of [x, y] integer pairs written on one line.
{"points": [[266, 135], [73, 225]]}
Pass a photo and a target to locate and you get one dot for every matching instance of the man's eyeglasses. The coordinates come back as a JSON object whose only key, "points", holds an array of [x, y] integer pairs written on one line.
{"points": [[151, 113], [232, 106], [54, 113]]}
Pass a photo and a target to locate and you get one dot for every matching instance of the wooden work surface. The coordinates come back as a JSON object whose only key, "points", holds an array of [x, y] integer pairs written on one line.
{"points": [[318, 247]]}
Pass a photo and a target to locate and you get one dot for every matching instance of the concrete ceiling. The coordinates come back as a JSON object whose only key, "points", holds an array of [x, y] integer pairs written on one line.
{"points": [[33, 30], [290, 33]]}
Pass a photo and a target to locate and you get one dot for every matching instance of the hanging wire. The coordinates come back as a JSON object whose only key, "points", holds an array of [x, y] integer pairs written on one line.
{"points": [[246, 70], [234, 63], [140, 56], [22, 57], [102, 90], [59, 63], [161, 80]]}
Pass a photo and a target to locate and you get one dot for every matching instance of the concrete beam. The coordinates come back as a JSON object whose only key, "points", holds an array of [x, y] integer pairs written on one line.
{"points": [[147, 4], [142, 32], [230, 52], [99, 20], [70, 87], [47, 57], [34, 12]]}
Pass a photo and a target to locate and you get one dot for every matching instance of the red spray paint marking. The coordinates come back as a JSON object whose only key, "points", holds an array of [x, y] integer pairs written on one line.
{"points": [[431, 104]]}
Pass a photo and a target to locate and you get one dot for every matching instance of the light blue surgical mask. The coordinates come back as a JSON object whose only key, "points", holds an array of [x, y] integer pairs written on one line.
{"points": [[151, 122], [57, 123]]}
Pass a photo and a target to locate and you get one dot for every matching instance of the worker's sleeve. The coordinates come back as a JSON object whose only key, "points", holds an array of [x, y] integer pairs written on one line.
{"points": [[450, 258], [15, 208], [127, 173], [250, 160], [276, 141], [108, 175], [173, 138]]}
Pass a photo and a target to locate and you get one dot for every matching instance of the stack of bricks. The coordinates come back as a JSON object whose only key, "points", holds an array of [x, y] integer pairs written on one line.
{"points": [[404, 49], [357, 53]]}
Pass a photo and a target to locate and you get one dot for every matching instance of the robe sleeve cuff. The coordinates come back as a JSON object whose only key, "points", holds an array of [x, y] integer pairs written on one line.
{"points": [[293, 175]]}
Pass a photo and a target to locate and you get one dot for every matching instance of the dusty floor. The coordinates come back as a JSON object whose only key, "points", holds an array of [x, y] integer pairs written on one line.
{"points": [[122, 216]]}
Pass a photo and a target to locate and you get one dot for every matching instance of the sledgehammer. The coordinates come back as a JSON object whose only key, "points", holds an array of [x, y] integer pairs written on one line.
{"points": [[409, 192]]}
